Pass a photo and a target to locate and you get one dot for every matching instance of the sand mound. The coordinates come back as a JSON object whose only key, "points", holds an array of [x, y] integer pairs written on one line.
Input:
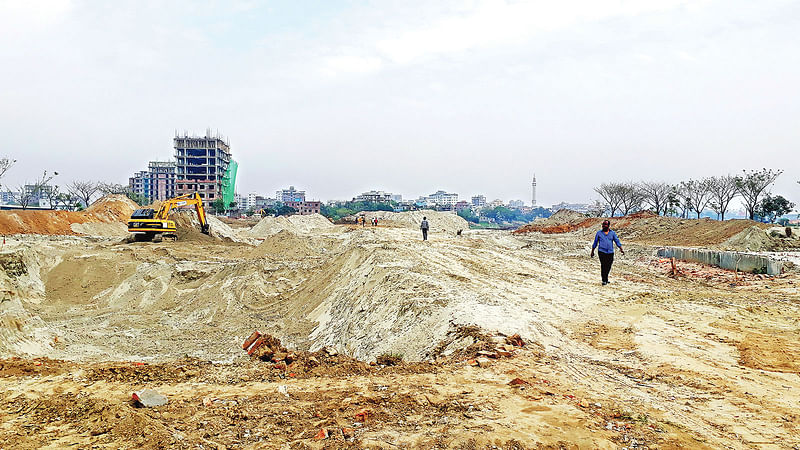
{"points": [[565, 216], [438, 221], [295, 224], [752, 239], [284, 244], [112, 208], [109, 209], [112, 230]]}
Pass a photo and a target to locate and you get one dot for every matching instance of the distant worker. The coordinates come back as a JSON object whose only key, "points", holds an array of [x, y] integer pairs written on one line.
{"points": [[363, 221], [424, 227], [374, 221], [606, 238]]}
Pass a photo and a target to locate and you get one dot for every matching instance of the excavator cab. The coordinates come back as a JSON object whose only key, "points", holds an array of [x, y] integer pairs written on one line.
{"points": [[147, 224]]}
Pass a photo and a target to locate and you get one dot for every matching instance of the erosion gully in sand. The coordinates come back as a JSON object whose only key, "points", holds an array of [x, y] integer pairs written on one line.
{"points": [[394, 341]]}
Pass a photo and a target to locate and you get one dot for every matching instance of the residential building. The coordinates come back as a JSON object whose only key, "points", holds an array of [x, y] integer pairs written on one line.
{"points": [[305, 207], [290, 195], [478, 200], [204, 165], [462, 205], [374, 196], [8, 197], [397, 198], [516, 204], [443, 199], [579, 207], [162, 180], [495, 203]]}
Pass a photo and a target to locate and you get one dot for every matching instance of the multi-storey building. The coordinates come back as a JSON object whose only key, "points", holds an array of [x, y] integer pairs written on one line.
{"points": [[374, 196], [139, 184], [478, 200], [305, 207], [516, 204], [204, 165], [443, 199], [162, 180], [290, 195]]}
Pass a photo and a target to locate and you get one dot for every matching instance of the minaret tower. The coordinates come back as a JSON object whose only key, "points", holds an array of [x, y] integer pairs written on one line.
{"points": [[533, 191]]}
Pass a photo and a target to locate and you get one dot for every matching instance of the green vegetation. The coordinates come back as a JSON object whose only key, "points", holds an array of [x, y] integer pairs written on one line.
{"points": [[349, 208], [771, 207]]}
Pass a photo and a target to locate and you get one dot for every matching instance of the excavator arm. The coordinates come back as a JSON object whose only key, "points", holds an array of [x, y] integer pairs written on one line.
{"points": [[158, 224]]}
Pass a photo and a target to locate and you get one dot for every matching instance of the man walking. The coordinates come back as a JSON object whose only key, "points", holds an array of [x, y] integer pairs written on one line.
{"points": [[424, 227], [605, 239]]}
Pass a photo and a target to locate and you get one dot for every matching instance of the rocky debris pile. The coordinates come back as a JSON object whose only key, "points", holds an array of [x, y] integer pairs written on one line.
{"points": [[500, 346], [325, 362]]}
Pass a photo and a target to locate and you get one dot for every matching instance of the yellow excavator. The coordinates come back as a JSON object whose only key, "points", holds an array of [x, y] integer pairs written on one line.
{"points": [[150, 225]]}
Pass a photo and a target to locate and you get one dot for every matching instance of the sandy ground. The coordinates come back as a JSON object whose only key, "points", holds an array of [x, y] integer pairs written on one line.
{"points": [[649, 360]]}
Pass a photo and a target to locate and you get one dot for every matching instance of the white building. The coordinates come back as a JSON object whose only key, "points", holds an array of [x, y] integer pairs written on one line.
{"points": [[443, 199], [478, 200], [374, 196], [516, 204]]}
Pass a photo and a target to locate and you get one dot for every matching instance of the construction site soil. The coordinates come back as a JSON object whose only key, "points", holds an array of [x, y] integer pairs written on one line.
{"points": [[387, 341]]}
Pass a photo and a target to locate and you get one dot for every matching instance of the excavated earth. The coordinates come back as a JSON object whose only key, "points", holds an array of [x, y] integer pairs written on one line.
{"points": [[396, 325]]}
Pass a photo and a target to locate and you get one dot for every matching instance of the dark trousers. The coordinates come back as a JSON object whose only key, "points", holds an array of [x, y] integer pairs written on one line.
{"points": [[424, 234], [606, 259]]}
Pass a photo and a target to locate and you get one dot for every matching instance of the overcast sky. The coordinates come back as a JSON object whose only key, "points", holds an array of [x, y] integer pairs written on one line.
{"points": [[409, 96]]}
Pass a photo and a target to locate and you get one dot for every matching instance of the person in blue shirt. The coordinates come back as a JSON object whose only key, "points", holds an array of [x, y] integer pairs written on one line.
{"points": [[605, 239]]}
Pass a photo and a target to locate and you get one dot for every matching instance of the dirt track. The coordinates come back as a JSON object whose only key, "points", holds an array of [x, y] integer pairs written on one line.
{"points": [[671, 362]]}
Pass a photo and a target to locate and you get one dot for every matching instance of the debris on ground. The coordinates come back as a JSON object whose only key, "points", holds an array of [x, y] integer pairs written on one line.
{"points": [[149, 398]]}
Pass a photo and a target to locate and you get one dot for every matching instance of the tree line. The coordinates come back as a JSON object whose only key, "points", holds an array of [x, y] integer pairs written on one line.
{"points": [[695, 196]]}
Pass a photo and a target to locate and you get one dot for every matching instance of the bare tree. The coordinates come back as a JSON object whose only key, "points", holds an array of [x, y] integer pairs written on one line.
{"points": [[5, 164], [722, 190], [611, 194], [698, 194], [656, 195], [84, 190], [24, 195], [631, 198], [753, 185], [30, 192]]}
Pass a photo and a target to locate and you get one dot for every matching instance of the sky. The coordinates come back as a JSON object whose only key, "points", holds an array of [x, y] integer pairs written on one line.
{"points": [[411, 96]]}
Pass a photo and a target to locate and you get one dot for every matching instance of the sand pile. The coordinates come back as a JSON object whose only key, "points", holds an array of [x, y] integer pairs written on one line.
{"points": [[112, 208], [752, 239], [110, 230], [109, 209], [295, 224], [284, 244], [439, 221]]}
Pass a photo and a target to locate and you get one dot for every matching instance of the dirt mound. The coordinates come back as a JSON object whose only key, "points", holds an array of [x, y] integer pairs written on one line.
{"points": [[565, 216], [285, 244], [112, 208], [752, 239], [295, 224], [109, 209], [648, 228], [188, 227], [439, 221]]}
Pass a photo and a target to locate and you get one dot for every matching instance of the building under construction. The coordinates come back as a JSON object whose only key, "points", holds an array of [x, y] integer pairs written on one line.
{"points": [[204, 165]]}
